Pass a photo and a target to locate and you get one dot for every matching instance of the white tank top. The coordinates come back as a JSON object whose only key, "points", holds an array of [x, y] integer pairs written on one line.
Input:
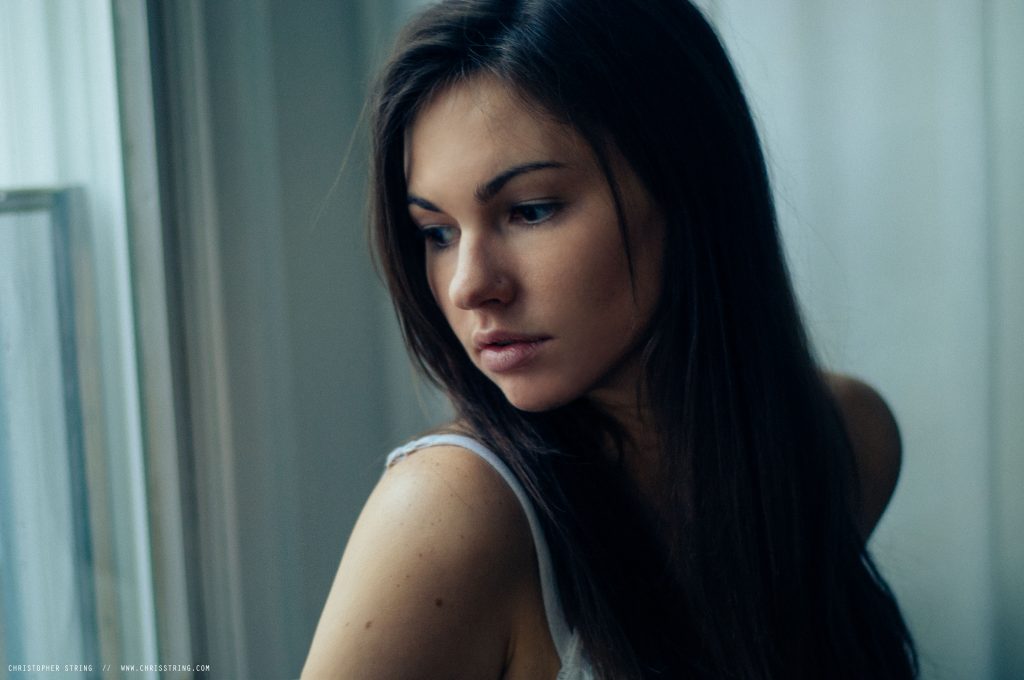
{"points": [[567, 642]]}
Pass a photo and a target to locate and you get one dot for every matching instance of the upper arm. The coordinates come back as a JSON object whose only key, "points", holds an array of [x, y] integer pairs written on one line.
{"points": [[877, 446], [427, 583]]}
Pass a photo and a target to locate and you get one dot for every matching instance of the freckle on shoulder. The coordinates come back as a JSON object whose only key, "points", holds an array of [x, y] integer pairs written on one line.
{"points": [[434, 570], [457, 479]]}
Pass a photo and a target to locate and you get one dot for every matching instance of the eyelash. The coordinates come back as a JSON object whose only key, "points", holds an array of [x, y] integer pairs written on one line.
{"points": [[551, 206], [433, 234]]}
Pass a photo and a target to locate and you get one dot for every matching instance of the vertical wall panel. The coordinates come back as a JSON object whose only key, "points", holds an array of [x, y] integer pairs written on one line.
{"points": [[1005, 97]]}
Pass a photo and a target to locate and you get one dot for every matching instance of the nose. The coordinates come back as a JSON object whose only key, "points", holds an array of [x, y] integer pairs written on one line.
{"points": [[481, 277]]}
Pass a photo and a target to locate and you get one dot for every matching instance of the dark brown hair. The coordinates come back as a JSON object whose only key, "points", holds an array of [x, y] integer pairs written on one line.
{"points": [[756, 569]]}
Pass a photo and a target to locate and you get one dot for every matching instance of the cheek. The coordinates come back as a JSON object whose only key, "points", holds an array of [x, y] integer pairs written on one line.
{"points": [[437, 281], [593, 284], [594, 272], [438, 285], [434, 284]]}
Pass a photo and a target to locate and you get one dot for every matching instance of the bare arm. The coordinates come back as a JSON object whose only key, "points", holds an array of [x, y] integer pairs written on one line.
{"points": [[877, 446], [428, 583]]}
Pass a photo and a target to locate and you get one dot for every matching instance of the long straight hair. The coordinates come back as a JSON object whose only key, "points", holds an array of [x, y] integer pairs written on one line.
{"points": [[754, 568]]}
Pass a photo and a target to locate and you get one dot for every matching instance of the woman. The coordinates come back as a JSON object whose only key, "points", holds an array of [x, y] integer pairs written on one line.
{"points": [[649, 477]]}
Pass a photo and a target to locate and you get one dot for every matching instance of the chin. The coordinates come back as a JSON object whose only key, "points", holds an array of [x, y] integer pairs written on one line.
{"points": [[531, 407], [536, 400]]}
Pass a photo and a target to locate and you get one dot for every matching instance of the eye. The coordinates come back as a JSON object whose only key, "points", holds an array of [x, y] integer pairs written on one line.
{"points": [[533, 213], [438, 236]]}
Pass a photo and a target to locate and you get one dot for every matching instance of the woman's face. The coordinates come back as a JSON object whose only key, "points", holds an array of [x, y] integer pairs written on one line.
{"points": [[523, 249]]}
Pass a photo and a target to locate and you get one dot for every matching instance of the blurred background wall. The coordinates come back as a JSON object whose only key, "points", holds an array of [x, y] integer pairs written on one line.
{"points": [[894, 139]]}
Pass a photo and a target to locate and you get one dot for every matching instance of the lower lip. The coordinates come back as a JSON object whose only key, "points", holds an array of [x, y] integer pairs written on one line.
{"points": [[504, 358]]}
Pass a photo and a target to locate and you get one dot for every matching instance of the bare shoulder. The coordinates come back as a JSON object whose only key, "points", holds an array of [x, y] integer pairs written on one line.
{"points": [[877, 445], [429, 581]]}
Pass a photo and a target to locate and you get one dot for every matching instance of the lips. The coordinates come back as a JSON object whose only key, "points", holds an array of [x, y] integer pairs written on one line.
{"points": [[503, 351]]}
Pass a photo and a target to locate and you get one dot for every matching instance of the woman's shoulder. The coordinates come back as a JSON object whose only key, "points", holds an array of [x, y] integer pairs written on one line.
{"points": [[876, 441], [432, 574], [445, 476]]}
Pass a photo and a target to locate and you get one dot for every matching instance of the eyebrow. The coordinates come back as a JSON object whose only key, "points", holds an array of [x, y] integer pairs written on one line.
{"points": [[491, 187]]}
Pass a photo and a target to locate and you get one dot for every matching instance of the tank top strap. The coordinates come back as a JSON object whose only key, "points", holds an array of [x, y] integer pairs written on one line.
{"points": [[566, 642]]}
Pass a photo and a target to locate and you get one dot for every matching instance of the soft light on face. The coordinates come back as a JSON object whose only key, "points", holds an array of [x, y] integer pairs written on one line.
{"points": [[523, 249]]}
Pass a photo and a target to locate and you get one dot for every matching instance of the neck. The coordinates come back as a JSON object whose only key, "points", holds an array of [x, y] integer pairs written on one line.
{"points": [[640, 449]]}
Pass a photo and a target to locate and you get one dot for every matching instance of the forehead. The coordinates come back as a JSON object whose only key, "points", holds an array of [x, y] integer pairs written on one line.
{"points": [[477, 128]]}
